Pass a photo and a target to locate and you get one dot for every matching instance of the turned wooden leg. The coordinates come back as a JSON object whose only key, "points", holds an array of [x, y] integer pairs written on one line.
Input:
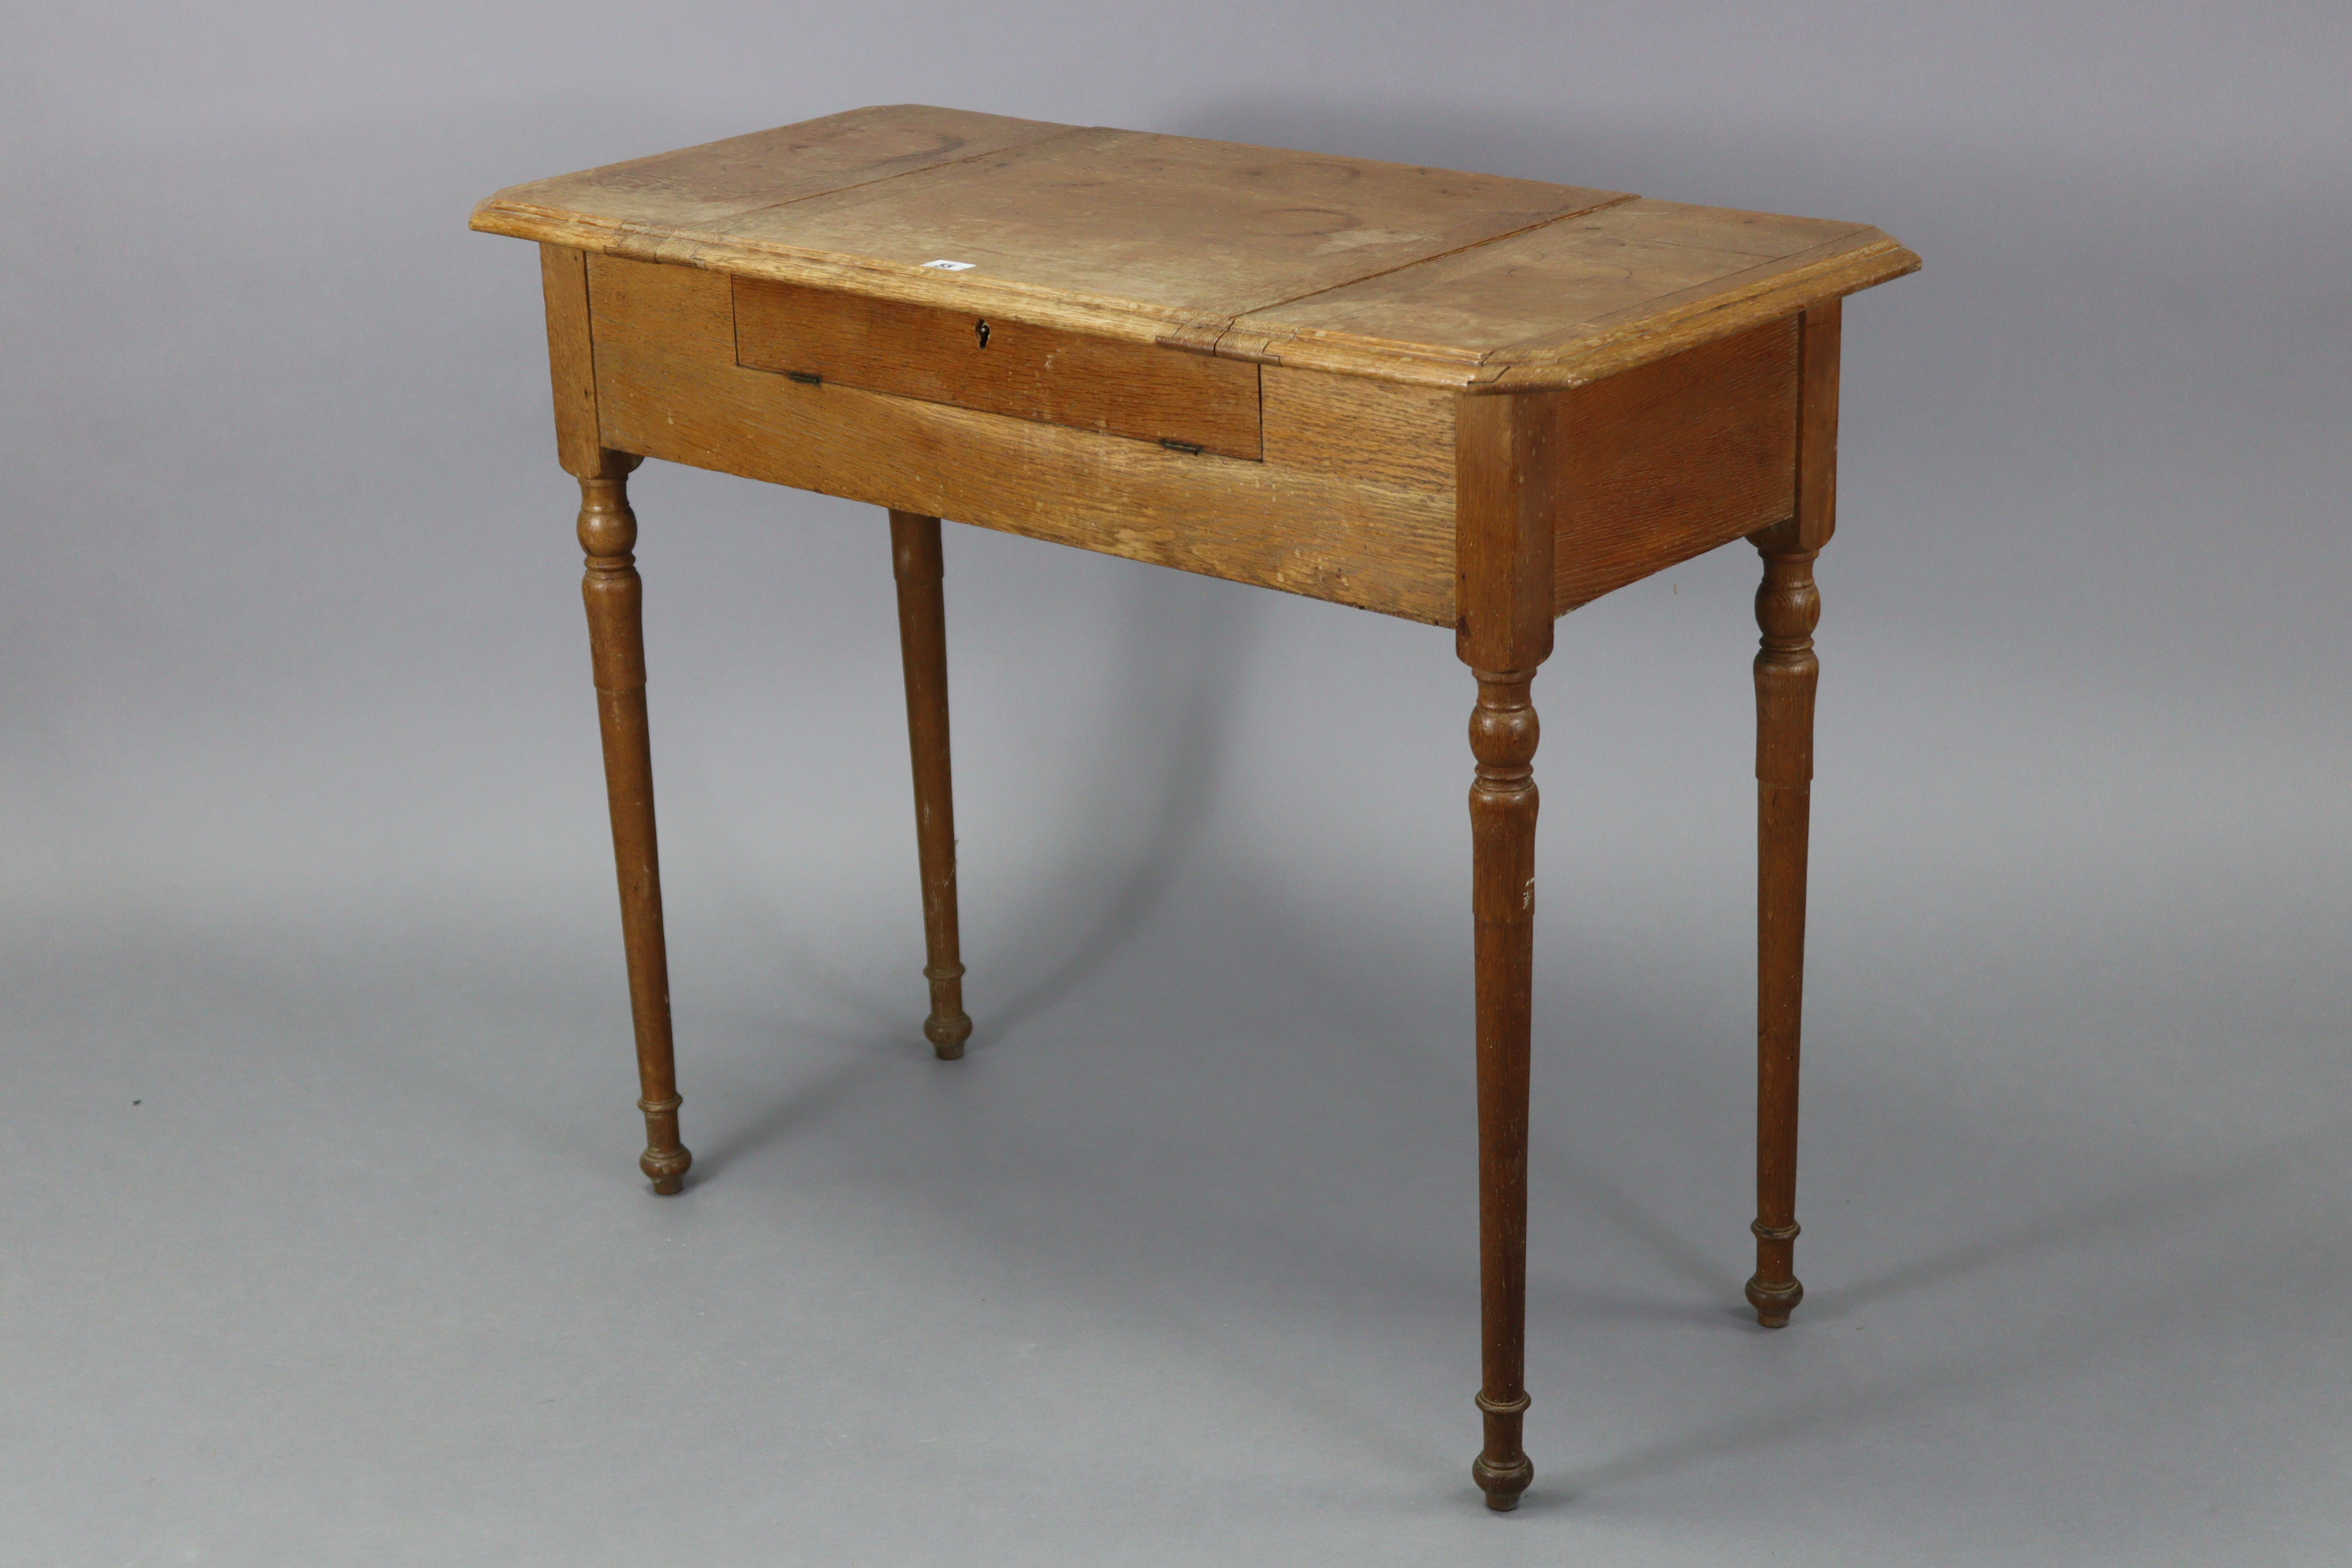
{"points": [[1507, 498], [1503, 848], [923, 645], [616, 598], [1787, 607]]}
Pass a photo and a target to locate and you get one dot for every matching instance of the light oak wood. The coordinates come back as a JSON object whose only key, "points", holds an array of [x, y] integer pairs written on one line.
{"points": [[668, 386], [571, 360], [1674, 458], [1175, 227], [1387, 270], [1579, 300], [1822, 335], [1511, 465], [941, 355], [1363, 432], [1465, 400], [614, 595], [698, 189]]}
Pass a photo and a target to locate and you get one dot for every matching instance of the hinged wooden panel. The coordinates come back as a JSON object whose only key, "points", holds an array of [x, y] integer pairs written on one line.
{"points": [[1185, 400], [1397, 272]]}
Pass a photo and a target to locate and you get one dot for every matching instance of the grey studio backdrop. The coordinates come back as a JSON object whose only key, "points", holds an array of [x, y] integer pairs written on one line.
{"points": [[325, 1244]]}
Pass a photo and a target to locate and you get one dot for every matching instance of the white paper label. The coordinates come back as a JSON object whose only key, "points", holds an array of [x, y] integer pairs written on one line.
{"points": [[952, 266]]}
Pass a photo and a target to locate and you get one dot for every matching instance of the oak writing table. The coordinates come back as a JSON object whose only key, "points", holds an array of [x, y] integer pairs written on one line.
{"points": [[1465, 400]]}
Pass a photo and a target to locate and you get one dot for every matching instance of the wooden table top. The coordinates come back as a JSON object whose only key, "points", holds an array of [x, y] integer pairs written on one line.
{"points": [[1388, 270]]}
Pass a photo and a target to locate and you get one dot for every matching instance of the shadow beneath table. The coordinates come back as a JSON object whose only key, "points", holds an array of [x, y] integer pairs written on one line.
{"points": [[808, 1100], [1697, 1266], [1175, 702], [2162, 1201], [1369, 1018], [2146, 1204]]}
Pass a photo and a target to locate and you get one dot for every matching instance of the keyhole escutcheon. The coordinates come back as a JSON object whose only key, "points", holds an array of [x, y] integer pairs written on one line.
{"points": [[983, 331]]}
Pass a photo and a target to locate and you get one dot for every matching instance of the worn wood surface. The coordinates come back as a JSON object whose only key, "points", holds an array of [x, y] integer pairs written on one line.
{"points": [[1576, 300], [943, 355], [698, 189], [1510, 461], [1674, 458], [1788, 608], [1372, 432], [1388, 270], [615, 596], [923, 653], [668, 387], [1822, 334], [1188, 229], [1508, 453], [570, 359]]}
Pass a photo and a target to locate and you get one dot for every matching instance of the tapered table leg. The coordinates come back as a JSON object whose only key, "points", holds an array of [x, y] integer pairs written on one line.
{"points": [[1788, 606], [1508, 489], [923, 645], [616, 600], [1503, 736]]}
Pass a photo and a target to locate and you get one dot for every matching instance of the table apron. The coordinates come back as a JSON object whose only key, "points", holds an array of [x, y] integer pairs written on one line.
{"points": [[1352, 497], [1352, 502]]}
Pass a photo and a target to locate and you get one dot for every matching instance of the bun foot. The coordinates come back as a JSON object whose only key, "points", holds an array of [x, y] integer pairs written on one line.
{"points": [[948, 1031], [1503, 1483], [1773, 1303], [666, 1168], [923, 649], [1503, 1470]]}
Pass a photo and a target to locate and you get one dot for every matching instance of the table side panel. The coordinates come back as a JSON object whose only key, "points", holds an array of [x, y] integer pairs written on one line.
{"points": [[961, 356], [1671, 459], [668, 386], [1347, 426]]}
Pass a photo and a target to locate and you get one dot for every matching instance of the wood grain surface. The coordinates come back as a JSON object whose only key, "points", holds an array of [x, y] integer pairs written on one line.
{"points": [[668, 386], [1821, 345], [1575, 301], [1674, 458], [1357, 495], [615, 596], [1392, 271], [570, 359], [1346, 428], [1788, 672], [1509, 454], [943, 355], [1184, 228], [700, 188]]}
